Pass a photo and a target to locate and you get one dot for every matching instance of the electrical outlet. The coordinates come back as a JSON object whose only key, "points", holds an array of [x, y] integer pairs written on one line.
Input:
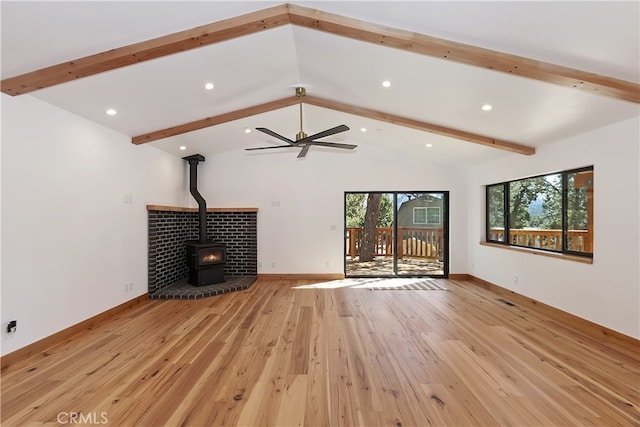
{"points": [[515, 280], [273, 265], [128, 287], [12, 326]]}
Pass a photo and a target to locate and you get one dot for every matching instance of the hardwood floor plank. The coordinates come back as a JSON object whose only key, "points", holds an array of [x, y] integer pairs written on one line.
{"points": [[290, 352], [291, 411]]}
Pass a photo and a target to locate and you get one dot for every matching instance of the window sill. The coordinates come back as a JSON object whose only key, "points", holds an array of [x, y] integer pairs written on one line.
{"points": [[532, 251]]}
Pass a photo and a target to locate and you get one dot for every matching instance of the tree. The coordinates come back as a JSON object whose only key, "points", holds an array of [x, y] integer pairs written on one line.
{"points": [[385, 216], [355, 209], [355, 206], [577, 209], [368, 212], [496, 206], [368, 243], [536, 202]]}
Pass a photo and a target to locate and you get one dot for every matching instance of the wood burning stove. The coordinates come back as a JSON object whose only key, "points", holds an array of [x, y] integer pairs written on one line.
{"points": [[206, 262], [205, 258]]}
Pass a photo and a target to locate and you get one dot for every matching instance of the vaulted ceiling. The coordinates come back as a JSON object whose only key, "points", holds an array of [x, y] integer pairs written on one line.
{"points": [[550, 70]]}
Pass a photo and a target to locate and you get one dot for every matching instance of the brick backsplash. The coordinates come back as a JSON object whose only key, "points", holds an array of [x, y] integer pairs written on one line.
{"points": [[169, 230]]}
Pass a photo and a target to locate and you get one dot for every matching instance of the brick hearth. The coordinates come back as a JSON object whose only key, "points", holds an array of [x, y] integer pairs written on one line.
{"points": [[170, 227]]}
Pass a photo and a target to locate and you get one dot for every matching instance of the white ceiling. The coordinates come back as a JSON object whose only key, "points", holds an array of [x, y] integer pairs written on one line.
{"points": [[598, 37]]}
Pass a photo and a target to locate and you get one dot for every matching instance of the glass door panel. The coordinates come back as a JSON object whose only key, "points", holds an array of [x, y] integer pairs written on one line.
{"points": [[421, 223], [369, 234]]}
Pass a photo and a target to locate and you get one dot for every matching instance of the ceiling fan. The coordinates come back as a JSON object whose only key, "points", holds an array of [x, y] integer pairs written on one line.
{"points": [[302, 140]]}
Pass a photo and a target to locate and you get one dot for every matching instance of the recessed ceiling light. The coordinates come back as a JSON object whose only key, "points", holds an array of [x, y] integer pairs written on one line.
{"points": [[363, 129], [208, 86], [111, 112], [428, 145], [247, 130], [182, 147], [487, 107], [386, 83]]}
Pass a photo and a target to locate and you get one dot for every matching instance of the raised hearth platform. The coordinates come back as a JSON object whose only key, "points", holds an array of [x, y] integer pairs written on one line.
{"points": [[183, 290]]}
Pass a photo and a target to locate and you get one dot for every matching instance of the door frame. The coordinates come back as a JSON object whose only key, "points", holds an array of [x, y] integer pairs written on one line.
{"points": [[394, 273]]}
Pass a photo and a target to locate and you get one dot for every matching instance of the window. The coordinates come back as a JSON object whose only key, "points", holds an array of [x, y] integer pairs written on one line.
{"points": [[424, 215], [552, 212], [419, 215], [433, 216]]}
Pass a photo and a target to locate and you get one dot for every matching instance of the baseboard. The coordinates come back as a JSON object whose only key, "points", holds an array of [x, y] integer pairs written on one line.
{"points": [[579, 324], [39, 346], [329, 276], [456, 276]]}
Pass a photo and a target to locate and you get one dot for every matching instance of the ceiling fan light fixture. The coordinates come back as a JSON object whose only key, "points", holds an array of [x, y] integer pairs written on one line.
{"points": [[302, 140]]}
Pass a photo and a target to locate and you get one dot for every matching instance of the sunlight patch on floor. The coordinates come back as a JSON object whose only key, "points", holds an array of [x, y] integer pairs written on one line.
{"points": [[413, 283]]}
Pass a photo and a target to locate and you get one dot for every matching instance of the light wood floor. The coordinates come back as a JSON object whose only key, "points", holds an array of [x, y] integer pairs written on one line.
{"points": [[287, 353]]}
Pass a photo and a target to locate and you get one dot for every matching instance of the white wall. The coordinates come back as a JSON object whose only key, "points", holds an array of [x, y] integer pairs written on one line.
{"points": [[606, 292], [304, 234], [69, 240]]}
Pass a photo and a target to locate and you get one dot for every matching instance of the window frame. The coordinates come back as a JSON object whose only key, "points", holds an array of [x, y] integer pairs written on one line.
{"points": [[564, 176]]}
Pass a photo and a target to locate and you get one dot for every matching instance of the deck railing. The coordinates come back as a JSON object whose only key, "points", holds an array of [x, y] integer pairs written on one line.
{"points": [[577, 240], [427, 243]]}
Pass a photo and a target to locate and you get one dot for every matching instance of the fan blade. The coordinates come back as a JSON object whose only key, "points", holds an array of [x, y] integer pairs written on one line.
{"points": [[267, 148], [333, 145], [304, 150], [275, 135], [328, 132]]}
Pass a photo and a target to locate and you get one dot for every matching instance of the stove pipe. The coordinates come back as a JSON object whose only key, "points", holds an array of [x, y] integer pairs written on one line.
{"points": [[193, 188]]}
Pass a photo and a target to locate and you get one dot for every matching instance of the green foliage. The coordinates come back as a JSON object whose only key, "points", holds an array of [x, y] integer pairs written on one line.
{"points": [[496, 206], [385, 217], [356, 210], [577, 210], [536, 202]]}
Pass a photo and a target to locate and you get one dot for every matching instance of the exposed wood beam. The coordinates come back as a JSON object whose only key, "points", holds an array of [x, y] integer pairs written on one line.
{"points": [[215, 120], [337, 106], [419, 125], [463, 53], [322, 21], [150, 49]]}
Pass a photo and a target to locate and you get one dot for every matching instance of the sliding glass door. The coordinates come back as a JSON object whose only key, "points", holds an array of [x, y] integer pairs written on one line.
{"points": [[392, 234]]}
